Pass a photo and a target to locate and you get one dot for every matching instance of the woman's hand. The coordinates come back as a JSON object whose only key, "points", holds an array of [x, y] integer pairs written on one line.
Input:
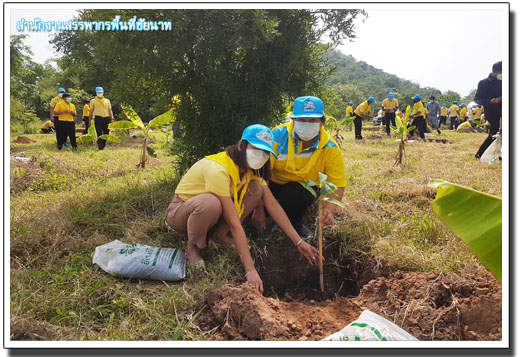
{"points": [[254, 280], [309, 252], [327, 217]]}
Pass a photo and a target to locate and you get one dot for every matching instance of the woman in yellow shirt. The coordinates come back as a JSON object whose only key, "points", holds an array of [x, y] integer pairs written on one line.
{"points": [[219, 191], [453, 115], [443, 115], [418, 115], [86, 116]]}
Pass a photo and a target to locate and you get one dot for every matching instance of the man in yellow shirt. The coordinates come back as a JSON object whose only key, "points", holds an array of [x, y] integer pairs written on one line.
{"points": [[463, 113], [53, 103], [389, 106], [65, 112], [443, 115], [418, 115], [86, 116], [101, 115], [363, 110], [48, 127], [453, 115], [349, 113], [304, 148]]}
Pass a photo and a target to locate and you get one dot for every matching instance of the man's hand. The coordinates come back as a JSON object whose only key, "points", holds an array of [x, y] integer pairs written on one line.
{"points": [[496, 100], [309, 252], [254, 280], [327, 216]]}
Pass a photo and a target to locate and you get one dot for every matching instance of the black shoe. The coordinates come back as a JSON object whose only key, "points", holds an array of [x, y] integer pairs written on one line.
{"points": [[74, 148], [59, 147], [439, 132]]}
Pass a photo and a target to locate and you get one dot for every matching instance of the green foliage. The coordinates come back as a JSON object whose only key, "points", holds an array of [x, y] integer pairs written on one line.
{"points": [[21, 115], [401, 131], [475, 217], [325, 188]]}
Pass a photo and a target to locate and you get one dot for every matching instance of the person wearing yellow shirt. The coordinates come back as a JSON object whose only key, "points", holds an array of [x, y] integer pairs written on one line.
{"points": [[65, 127], [304, 149], [219, 191], [349, 113], [418, 116], [463, 113], [453, 115], [48, 127], [363, 110], [53, 103], [443, 115], [389, 106], [101, 115], [86, 116]]}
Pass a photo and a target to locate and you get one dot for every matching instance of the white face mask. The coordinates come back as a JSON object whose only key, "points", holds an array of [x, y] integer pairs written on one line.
{"points": [[306, 131], [257, 158], [499, 76], [60, 95], [99, 94]]}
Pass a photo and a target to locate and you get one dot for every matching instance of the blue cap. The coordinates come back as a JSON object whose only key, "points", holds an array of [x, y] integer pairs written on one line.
{"points": [[308, 107], [350, 103], [417, 96], [390, 94], [99, 89], [443, 105], [463, 105], [371, 100], [470, 120], [260, 136], [61, 90], [455, 102]]}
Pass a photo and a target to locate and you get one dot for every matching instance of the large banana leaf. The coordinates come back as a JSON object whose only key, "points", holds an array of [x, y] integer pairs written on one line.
{"points": [[122, 124], [110, 138], [162, 119], [131, 114], [475, 217]]}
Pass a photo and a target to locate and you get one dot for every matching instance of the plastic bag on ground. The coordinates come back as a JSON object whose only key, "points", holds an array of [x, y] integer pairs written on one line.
{"points": [[371, 327], [141, 261], [493, 151]]}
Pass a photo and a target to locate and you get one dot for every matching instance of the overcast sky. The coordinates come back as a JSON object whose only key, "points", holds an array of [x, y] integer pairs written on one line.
{"points": [[446, 48]]}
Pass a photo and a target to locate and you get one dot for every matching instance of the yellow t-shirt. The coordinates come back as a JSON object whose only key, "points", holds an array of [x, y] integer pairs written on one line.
{"points": [[389, 104], [101, 107], [208, 176], [48, 125], [453, 110], [55, 101], [418, 109], [465, 124], [62, 106], [443, 111], [364, 108], [349, 111], [86, 110], [425, 112], [463, 113]]}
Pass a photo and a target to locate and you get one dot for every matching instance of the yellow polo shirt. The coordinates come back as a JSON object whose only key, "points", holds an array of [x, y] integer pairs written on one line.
{"points": [[62, 106], [48, 125], [86, 110], [463, 113], [364, 108], [453, 110], [55, 101], [418, 108], [208, 176], [349, 111], [390, 104], [443, 111], [101, 107]]}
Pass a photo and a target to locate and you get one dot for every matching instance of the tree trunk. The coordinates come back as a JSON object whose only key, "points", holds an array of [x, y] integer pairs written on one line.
{"points": [[143, 158]]}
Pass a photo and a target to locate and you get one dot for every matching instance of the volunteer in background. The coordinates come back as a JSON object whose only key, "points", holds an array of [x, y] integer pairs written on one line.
{"points": [[349, 113], [363, 110], [453, 115], [489, 95], [389, 106], [304, 148], [433, 108], [418, 116], [463, 113], [86, 116], [425, 116], [443, 115], [219, 191], [65, 127], [48, 127], [101, 114], [55, 100]]}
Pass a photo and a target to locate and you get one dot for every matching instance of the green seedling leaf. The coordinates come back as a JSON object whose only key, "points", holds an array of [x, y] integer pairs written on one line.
{"points": [[334, 201], [110, 138], [322, 178], [308, 187], [162, 119], [151, 152], [411, 128], [131, 114], [475, 217], [327, 188], [122, 125]]}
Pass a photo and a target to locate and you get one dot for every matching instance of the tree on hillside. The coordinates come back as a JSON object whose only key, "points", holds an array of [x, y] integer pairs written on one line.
{"points": [[230, 68]]}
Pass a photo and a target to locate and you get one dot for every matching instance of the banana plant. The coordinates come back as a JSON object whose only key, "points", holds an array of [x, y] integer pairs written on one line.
{"points": [[91, 135], [401, 131], [325, 188], [137, 123], [475, 217], [331, 125]]}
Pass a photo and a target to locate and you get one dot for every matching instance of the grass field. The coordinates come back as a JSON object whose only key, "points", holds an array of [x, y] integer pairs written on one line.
{"points": [[63, 204]]}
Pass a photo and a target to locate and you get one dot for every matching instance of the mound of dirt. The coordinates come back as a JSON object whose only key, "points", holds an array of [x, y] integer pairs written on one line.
{"points": [[430, 306], [24, 140], [244, 314]]}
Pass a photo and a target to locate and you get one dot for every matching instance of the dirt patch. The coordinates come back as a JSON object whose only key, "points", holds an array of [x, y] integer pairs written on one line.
{"points": [[372, 127], [428, 305], [23, 140], [23, 173]]}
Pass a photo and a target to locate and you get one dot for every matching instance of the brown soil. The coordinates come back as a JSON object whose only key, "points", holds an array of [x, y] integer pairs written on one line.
{"points": [[24, 140], [428, 305]]}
